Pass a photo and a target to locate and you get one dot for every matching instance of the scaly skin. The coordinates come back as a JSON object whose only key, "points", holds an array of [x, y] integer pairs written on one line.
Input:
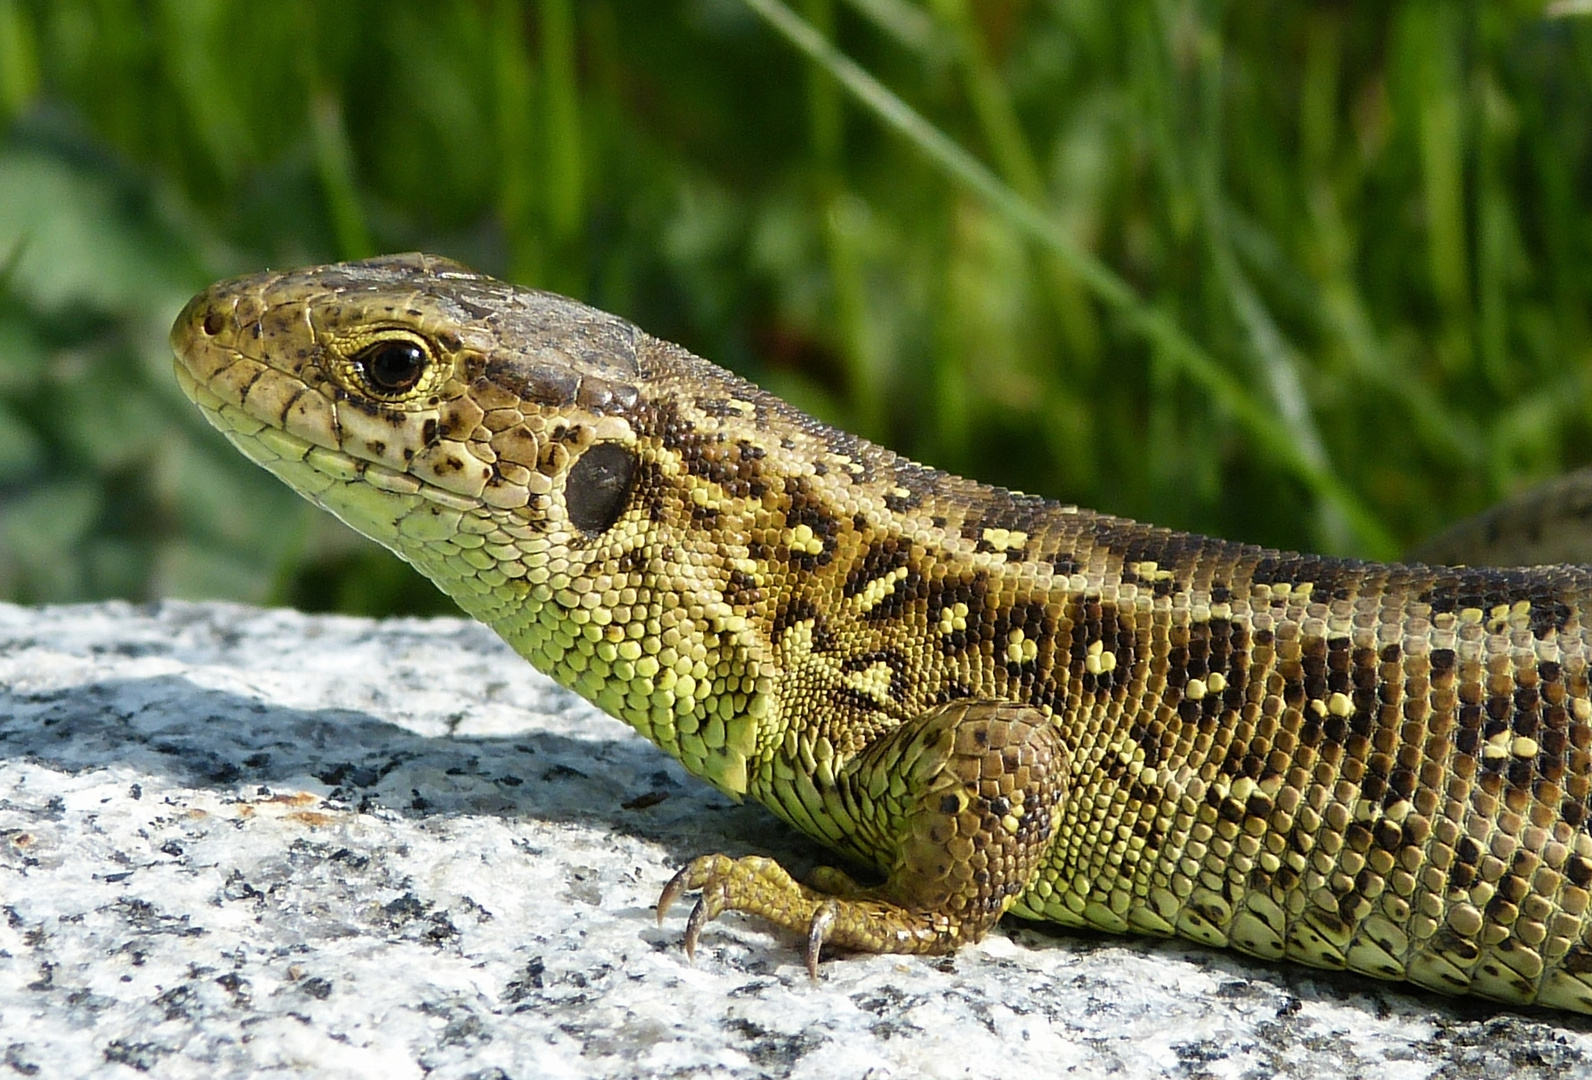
{"points": [[998, 703]]}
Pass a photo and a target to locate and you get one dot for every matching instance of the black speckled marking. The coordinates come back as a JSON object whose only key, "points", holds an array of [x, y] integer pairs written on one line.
{"points": [[882, 558], [1451, 590], [711, 456], [718, 408], [997, 508], [798, 610], [897, 503], [971, 590], [893, 659], [1062, 563], [1549, 615], [806, 507], [654, 492], [1028, 616], [1328, 578], [1094, 620], [741, 589]]}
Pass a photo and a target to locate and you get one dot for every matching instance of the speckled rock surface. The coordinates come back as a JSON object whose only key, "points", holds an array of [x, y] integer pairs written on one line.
{"points": [[235, 840]]}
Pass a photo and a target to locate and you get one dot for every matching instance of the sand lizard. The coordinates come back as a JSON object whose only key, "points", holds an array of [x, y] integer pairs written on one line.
{"points": [[998, 703]]}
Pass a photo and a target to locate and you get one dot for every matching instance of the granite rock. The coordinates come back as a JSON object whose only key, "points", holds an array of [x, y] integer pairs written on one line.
{"points": [[236, 840]]}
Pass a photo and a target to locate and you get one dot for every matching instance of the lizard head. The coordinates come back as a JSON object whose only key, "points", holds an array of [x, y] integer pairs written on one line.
{"points": [[409, 388], [522, 450]]}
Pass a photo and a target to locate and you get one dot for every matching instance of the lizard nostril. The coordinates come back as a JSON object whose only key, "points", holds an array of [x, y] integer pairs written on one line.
{"points": [[214, 323]]}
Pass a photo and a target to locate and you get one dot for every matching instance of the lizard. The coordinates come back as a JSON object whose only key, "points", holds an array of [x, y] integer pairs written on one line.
{"points": [[994, 702]]}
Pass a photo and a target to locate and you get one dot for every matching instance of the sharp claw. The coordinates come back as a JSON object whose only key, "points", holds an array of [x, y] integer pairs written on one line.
{"points": [[671, 893], [818, 932], [693, 927]]}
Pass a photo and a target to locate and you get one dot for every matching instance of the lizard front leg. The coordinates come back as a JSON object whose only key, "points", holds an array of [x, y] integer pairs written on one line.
{"points": [[958, 805]]}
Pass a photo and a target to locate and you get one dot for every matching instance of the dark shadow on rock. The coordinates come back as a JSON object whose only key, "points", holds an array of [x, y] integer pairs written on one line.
{"points": [[167, 726]]}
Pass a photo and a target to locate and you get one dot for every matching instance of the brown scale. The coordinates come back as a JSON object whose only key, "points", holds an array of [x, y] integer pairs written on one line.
{"points": [[995, 702]]}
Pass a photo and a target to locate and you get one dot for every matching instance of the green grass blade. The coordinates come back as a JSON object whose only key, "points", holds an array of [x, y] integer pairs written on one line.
{"points": [[1262, 422], [335, 161]]}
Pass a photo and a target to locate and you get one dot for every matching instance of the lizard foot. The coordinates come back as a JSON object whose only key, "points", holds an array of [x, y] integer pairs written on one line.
{"points": [[966, 797], [761, 887]]}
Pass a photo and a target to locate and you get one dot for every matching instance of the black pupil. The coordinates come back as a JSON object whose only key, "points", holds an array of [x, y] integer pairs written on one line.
{"points": [[393, 366]]}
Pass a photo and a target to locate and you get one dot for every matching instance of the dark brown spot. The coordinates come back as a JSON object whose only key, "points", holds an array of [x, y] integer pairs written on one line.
{"points": [[894, 661], [1548, 615], [806, 507], [883, 558], [971, 592], [1062, 564], [741, 589], [799, 610], [1578, 961], [710, 456], [598, 487]]}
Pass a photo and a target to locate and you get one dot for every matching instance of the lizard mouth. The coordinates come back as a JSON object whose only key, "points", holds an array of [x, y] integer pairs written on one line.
{"points": [[289, 428], [276, 449]]}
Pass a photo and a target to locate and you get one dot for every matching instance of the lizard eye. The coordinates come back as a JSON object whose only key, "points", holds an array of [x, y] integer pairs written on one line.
{"points": [[391, 366], [598, 487]]}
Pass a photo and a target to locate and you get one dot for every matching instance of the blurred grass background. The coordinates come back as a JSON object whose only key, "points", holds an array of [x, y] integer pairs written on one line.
{"points": [[1315, 275]]}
